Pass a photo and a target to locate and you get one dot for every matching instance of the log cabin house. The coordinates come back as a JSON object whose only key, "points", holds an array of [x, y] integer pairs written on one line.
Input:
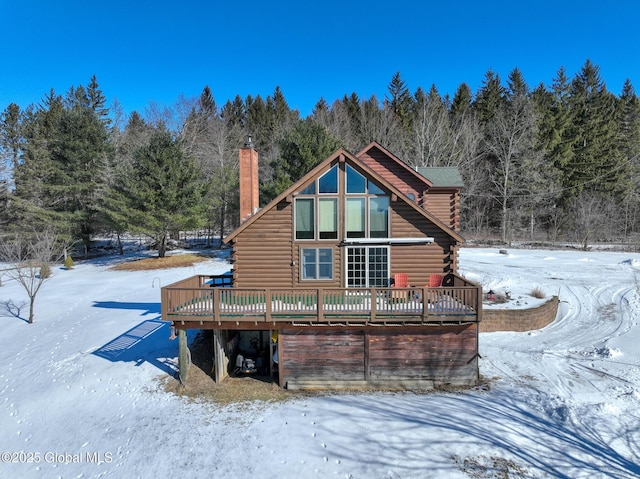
{"points": [[312, 296]]}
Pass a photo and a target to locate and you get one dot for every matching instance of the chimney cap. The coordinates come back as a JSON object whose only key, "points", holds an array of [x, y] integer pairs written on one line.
{"points": [[248, 142]]}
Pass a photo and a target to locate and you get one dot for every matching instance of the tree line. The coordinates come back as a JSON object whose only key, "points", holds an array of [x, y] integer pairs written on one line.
{"points": [[549, 163]]}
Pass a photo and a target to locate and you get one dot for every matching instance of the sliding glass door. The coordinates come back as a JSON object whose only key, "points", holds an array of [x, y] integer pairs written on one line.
{"points": [[368, 267]]}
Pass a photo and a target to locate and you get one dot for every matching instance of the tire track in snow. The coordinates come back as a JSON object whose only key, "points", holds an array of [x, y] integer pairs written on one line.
{"points": [[569, 348]]}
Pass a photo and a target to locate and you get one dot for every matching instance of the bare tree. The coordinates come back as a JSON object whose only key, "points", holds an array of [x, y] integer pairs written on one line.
{"points": [[589, 212], [28, 259], [431, 131], [510, 141]]}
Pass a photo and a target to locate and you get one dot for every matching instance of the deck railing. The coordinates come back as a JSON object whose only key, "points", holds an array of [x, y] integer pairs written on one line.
{"points": [[199, 299]]}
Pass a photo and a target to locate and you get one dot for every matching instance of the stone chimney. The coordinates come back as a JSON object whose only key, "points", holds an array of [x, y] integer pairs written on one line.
{"points": [[249, 187]]}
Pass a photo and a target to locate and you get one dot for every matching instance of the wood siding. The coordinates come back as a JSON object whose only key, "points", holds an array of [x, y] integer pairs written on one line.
{"points": [[419, 261], [262, 254], [389, 357], [337, 355], [265, 255], [444, 205], [406, 181], [441, 354]]}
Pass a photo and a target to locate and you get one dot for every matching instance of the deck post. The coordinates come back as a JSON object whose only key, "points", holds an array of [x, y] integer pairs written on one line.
{"points": [[320, 305], [218, 356], [215, 305], [374, 300], [184, 356], [267, 299]]}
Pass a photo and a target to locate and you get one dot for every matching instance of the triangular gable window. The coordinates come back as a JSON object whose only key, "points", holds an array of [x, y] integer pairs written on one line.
{"points": [[356, 183], [328, 183]]}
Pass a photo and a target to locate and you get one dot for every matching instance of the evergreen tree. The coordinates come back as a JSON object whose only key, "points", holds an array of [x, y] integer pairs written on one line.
{"points": [[165, 190], [301, 149], [353, 113], [116, 209], [234, 112], [79, 156], [462, 101], [490, 97], [97, 101], [320, 113], [553, 127], [400, 100], [11, 139], [629, 124], [597, 163], [33, 176]]}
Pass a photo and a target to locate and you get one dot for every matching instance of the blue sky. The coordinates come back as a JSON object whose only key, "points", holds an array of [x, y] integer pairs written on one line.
{"points": [[156, 51]]}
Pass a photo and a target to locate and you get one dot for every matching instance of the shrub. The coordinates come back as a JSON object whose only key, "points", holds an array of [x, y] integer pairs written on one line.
{"points": [[537, 293], [45, 271], [68, 262]]}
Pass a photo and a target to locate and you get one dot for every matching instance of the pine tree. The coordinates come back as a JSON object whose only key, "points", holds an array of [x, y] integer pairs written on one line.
{"points": [[79, 156], [301, 149], [490, 97], [629, 123], [234, 113], [97, 101], [462, 101], [116, 209], [11, 139], [555, 120], [165, 190], [33, 176], [400, 100], [597, 163]]}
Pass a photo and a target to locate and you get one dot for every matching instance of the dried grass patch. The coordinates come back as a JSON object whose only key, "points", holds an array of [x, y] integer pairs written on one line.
{"points": [[174, 261], [232, 390]]}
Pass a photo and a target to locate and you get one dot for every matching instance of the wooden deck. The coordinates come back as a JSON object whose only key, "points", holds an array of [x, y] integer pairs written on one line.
{"points": [[199, 302]]}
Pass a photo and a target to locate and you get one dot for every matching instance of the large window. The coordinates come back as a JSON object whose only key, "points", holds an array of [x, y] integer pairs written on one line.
{"points": [[316, 212], [328, 218], [356, 225], [367, 207], [379, 217], [317, 263], [305, 218]]}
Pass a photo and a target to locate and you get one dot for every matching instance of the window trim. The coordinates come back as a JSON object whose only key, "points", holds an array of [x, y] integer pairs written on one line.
{"points": [[367, 265], [317, 263], [295, 217]]}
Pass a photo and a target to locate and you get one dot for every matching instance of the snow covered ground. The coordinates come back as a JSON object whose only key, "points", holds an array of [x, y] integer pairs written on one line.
{"points": [[79, 393]]}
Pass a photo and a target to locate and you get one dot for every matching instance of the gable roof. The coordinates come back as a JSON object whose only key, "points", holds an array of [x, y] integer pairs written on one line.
{"points": [[343, 154], [375, 145], [442, 176]]}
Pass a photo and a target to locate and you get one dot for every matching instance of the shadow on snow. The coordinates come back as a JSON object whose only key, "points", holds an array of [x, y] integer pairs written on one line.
{"points": [[556, 446], [146, 342]]}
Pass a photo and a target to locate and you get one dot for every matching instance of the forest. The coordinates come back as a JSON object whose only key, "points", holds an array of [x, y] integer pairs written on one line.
{"points": [[550, 163]]}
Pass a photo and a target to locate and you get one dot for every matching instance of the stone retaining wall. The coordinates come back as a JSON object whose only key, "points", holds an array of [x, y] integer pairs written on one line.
{"points": [[519, 320]]}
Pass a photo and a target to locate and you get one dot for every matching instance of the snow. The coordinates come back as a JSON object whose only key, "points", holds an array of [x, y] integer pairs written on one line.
{"points": [[80, 393]]}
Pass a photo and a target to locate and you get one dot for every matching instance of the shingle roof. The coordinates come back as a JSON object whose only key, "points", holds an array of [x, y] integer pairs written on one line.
{"points": [[442, 176]]}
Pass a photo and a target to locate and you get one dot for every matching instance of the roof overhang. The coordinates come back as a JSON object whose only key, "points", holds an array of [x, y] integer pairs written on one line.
{"points": [[386, 241]]}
